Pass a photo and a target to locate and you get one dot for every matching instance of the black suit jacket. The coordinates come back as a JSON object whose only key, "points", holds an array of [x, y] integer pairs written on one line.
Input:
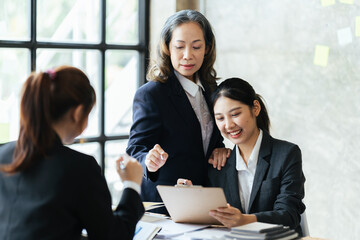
{"points": [[162, 114], [278, 187], [59, 196]]}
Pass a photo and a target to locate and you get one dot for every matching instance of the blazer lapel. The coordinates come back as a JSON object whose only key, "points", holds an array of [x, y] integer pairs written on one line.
{"points": [[207, 94], [262, 166], [182, 105], [215, 133], [181, 102], [233, 181]]}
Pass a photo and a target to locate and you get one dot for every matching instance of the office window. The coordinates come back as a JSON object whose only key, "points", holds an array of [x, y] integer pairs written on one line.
{"points": [[107, 39]]}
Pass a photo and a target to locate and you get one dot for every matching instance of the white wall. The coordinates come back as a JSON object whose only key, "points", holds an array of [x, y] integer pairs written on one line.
{"points": [[271, 44]]}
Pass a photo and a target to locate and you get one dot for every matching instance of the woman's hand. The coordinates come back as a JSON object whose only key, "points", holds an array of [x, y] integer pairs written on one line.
{"points": [[231, 217], [219, 156], [182, 181], [129, 169], [156, 158]]}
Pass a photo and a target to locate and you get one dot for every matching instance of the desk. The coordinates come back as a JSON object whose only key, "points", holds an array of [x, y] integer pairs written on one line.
{"points": [[202, 234], [200, 237], [213, 234], [179, 231]]}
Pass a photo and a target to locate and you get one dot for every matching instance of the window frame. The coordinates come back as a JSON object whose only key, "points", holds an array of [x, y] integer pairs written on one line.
{"points": [[102, 47]]}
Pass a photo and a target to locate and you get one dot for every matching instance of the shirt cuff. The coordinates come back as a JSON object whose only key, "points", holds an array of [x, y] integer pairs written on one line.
{"points": [[132, 185]]}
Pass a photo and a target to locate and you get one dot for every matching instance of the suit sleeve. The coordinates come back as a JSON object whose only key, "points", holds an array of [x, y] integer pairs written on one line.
{"points": [[288, 204], [146, 129], [220, 141], [95, 211]]}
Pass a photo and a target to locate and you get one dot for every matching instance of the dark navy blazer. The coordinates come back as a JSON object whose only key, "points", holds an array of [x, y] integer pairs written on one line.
{"points": [[278, 187], [162, 114], [59, 196]]}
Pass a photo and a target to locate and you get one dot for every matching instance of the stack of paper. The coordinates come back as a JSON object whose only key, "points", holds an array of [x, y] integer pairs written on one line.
{"points": [[259, 231], [152, 205]]}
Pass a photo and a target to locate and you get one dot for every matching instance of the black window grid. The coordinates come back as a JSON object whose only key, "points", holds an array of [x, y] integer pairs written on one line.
{"points": [[141, 48]]}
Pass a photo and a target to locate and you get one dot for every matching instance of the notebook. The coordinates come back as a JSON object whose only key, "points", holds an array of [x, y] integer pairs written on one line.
{"points": [[191, 204]]}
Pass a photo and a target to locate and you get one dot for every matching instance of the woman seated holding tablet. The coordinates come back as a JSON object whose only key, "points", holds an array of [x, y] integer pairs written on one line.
{"points": [[49, 191], [263, 179]]}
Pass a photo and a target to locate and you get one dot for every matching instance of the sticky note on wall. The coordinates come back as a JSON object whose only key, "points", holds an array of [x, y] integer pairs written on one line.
{"points": [[357, 26], [347, 1], [4, 132], [344, 36], [321, 55], [325, 3]]}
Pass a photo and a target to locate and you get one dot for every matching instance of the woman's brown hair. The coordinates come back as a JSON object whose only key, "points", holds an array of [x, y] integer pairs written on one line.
{"points": [[45, 98], [160, 69]]}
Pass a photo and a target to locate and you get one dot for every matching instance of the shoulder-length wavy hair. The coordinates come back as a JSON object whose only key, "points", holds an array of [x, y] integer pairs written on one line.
{"points": [[161, 68]]}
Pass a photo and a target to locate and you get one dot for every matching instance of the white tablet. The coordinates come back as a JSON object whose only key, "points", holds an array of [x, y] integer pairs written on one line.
{"points": [[191, 204]]}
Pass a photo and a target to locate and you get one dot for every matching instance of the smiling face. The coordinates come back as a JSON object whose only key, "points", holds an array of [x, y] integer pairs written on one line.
{"points": [[237, 121], [187, 49]]}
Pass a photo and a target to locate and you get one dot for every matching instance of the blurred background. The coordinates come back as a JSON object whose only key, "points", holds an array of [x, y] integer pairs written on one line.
{"points": [[302, 56]]}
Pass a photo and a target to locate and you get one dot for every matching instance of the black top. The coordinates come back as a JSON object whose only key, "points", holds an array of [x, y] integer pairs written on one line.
{"points": [[278, 187], [59, 196]]}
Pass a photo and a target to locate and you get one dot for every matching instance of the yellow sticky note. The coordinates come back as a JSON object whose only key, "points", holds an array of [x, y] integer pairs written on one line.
{"points": [[321, 55], [4, 132], [325, 3], [357, 26], [347, 1]]}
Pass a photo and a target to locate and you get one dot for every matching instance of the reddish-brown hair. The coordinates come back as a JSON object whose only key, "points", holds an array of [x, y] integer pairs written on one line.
{"points": [[46, 97]]}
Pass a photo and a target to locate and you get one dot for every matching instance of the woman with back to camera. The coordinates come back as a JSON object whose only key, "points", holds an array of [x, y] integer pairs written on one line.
{"points": [[263, 179], [49, 191], [173, 133]]}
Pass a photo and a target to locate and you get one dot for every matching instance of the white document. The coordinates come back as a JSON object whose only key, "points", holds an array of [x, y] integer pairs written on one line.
{"points": [[208, 234], [171, 229], [146, 231]]}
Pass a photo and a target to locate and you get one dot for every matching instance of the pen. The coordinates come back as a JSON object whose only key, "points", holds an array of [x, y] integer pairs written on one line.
{"points": [[122, 165]]}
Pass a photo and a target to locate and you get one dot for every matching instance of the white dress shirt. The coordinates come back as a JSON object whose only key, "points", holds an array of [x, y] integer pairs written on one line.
{"points": [[198, 103], [246, 174]]}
